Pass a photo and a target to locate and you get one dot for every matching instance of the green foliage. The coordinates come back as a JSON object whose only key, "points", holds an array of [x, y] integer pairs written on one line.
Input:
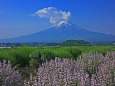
{"points": [[40, 55], [24, 56], [47, 55], [75, 52], [62, 54], [17, 56], [74, 43]]}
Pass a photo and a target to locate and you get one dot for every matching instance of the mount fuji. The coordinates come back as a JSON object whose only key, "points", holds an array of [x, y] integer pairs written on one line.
{"points": [[65, 30]]}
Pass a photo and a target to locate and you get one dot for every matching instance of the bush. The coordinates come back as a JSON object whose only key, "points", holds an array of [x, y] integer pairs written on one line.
{"points": [[92, 69], [47, 55], [38, 56], [75, 53], [8, 75]]}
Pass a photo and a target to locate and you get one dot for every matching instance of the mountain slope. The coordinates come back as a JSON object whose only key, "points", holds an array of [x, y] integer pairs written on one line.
{"points": [[61, 32]]}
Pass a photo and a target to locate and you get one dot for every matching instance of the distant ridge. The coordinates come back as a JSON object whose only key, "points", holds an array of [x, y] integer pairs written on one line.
{"points": [[63, 31]]}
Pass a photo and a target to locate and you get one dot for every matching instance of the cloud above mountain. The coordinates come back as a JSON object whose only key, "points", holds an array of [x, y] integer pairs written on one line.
{"points": [[55, 16]]}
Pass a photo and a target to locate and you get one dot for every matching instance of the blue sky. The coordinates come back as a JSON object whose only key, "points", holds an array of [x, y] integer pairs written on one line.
{"points": [[16, 15]]}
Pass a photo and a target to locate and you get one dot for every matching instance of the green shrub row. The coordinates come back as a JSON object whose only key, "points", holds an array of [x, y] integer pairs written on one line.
{"points": [[34, 56]]}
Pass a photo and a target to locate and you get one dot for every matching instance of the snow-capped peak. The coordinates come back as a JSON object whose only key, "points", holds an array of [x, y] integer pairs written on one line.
{"points": [[63, 23], [66, 25]]}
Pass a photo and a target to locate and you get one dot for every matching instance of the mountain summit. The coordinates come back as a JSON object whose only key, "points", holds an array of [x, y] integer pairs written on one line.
{"points": [[63, 23], [66, 24], [63, 31]]}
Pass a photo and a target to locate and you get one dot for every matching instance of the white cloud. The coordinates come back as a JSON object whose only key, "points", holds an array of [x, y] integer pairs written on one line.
{"points": [[55, 16]]}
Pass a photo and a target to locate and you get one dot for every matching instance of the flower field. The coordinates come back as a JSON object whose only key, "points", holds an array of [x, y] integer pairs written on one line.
{"points": [[58, 66], [92, 69]]}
